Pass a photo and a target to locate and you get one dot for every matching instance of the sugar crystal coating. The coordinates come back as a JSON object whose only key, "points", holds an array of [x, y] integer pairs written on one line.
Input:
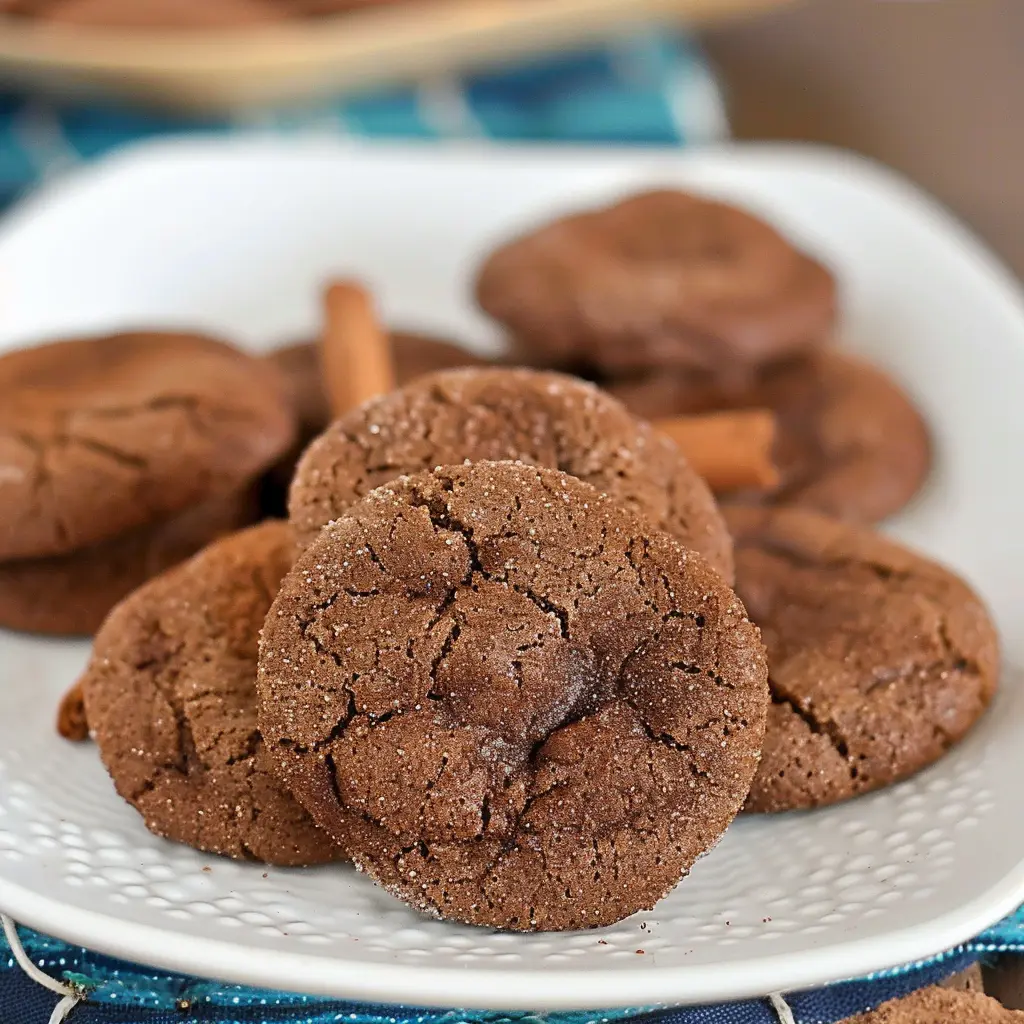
{"points": [[170, 694], [543, 419], [879, 659], [510, 698]]}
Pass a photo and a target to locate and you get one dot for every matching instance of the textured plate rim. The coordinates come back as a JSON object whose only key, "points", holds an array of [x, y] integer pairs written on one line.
{"points": [[467, 988]]}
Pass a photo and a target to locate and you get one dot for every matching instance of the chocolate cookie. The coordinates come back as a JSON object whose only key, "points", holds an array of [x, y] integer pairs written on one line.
{"points": [[170, 696], [514, 702], [879, 659], [940, 1006], [544, 419], [101, 435], [850, 442], [71, 594], [661, 279]]}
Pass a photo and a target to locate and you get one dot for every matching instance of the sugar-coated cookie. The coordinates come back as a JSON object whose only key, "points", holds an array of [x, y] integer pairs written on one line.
{"points": [[170, 696], [879, 659], [544, 419], [512, 700]]}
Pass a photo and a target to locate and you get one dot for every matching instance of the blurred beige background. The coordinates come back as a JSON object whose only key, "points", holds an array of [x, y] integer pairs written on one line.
{"points": [[934, 88]]}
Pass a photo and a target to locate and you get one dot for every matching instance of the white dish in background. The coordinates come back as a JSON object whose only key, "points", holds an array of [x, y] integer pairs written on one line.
{"points": [[237, 237]]}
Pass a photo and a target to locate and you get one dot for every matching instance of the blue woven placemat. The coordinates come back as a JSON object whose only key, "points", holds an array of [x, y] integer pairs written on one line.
{"points": [[120, 993]]}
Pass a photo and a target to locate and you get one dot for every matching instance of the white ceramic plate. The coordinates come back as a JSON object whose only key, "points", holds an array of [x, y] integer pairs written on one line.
{"points": [[236, 237]]}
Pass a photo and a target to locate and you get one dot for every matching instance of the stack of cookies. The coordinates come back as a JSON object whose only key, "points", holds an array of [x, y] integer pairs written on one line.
{"points": [[120, 456], [679, 305], [517, 653], [683, 305]]}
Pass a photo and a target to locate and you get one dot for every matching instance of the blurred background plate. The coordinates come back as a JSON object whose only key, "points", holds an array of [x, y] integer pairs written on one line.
{"points": [[222, 70]]}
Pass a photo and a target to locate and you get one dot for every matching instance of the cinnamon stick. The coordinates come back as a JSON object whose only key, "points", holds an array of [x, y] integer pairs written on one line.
{"points": [[731, 450], [355, 349], [71, 721]]}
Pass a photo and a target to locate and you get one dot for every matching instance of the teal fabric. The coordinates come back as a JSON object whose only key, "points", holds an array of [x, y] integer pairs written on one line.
{"points": [[645, 88], [122, 993]]}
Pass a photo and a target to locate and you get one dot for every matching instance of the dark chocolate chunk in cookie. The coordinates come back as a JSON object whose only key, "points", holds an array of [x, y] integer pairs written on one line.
{"points": [[512, 700], [170, 696], [70, 595], [661, 279], [544, 419], [101, 435], [879, 659], [850, 442]]}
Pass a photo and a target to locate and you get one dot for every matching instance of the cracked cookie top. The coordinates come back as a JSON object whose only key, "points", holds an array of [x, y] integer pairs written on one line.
{"points": [[100, 435], [170, 697], [512, 700], [544, 419], [879, 659], [658, 280]]}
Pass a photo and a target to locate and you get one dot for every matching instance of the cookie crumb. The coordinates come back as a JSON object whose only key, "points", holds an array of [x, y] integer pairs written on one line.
{"points": [[71, 721]]}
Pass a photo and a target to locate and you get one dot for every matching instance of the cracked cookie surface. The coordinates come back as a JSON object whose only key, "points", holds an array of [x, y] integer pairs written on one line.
{"points": [[101, 435], [70, 595], [512, 700], [879, 659], [850, 443], [170, 696], [658, 280], [543, 419]]}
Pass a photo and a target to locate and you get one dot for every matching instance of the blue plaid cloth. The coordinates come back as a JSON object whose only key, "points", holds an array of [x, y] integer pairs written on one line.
{"points": [[646, 88]]}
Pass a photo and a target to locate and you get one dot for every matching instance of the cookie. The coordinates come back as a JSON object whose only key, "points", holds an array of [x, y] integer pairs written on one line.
{"points": [[544, 419], [937, 1005], [514, 702], [70, 595], [71, 721], [850, 442], [879, 659], [170, 697], [101, 435], [661, 279]]}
